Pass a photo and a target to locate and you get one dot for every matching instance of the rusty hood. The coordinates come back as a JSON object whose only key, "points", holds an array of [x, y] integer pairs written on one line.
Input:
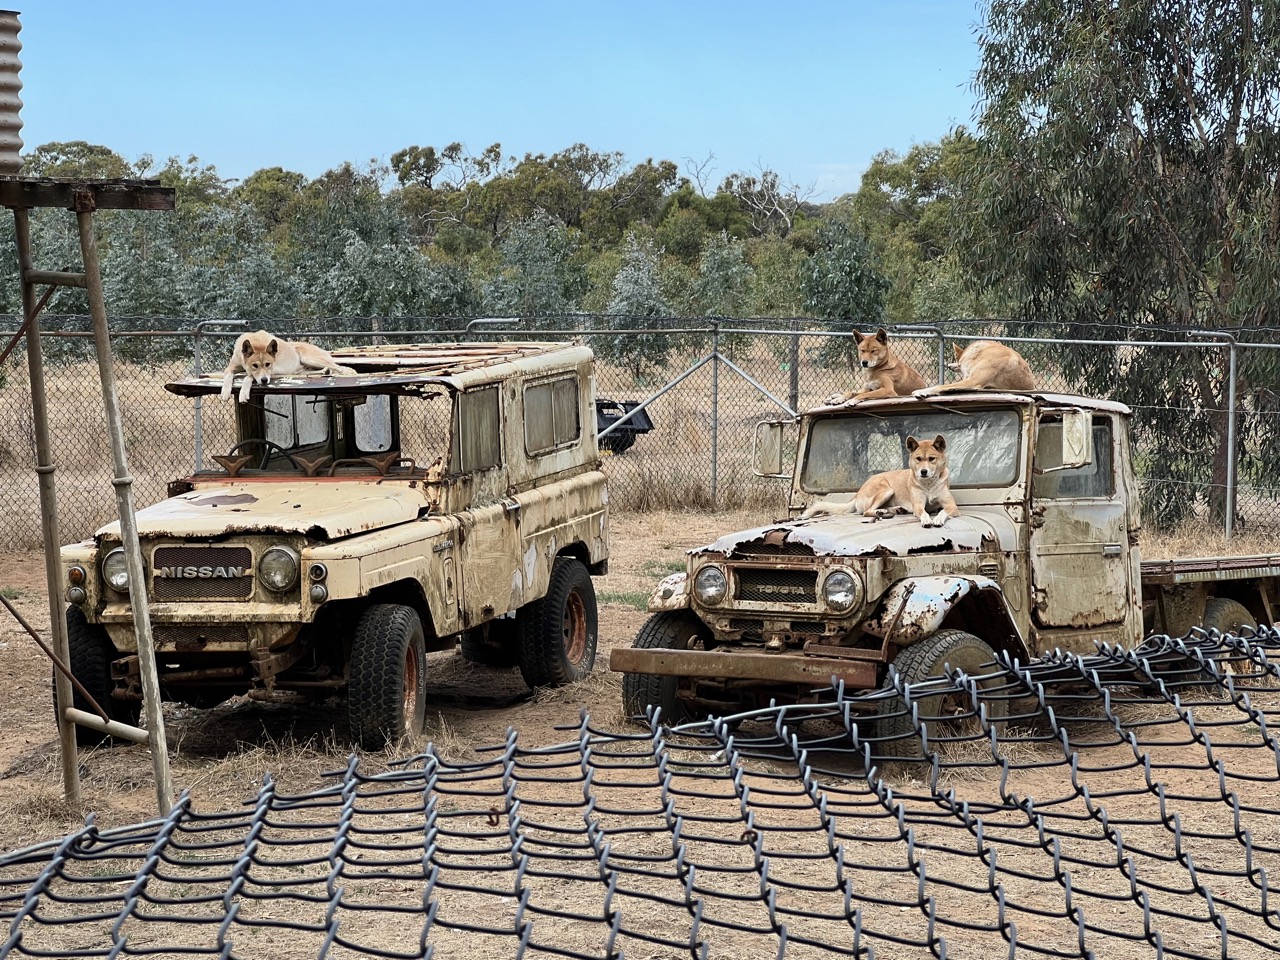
{"points": [[978, 528], [323, 511]]}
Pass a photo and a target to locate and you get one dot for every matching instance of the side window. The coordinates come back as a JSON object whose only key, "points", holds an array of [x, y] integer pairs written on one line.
{"points": [[551, 415], [1096, 479], [477, 431]]}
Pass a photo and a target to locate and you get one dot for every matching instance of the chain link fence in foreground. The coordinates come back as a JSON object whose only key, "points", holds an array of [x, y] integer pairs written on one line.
{"points": [[1123, 807], [1193, 455]]}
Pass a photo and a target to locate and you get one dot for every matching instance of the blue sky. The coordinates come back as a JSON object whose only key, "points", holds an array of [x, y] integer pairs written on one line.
{"points": [[812, 90]]}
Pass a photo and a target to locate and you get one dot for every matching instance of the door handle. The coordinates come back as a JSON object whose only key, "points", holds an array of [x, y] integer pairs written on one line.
{"points": [[1111, 550]]}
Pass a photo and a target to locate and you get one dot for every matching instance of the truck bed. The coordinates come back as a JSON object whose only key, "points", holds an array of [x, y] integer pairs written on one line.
{"points": [[1204, 569]]}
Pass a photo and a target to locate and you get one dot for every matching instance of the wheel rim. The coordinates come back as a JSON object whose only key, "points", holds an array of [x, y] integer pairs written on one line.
{"points": [[948, 709], [575, 629], [410, 699]]}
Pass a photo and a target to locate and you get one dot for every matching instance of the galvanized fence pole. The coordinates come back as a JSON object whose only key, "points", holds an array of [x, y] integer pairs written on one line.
{"points": [[1231, 435], [715, 411], [793, 368], [123, 484]]}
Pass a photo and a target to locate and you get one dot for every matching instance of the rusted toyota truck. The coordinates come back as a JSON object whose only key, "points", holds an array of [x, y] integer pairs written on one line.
{"points": [[444, 494], [1043, 555]]}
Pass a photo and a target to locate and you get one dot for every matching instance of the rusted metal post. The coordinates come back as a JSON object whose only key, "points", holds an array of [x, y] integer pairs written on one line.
{"points": [[48, 510], [123, 484]]}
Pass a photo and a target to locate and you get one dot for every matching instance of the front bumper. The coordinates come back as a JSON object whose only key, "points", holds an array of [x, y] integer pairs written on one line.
{"points": [[726, 665]]}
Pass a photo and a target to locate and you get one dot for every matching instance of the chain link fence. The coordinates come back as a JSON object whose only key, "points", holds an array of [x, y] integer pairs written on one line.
{"points": [[1117, 805], [1202, 449]]}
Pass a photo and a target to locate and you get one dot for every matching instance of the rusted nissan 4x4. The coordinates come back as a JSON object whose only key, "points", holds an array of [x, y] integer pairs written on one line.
{"points": [[1043, 555], [446, 493]]}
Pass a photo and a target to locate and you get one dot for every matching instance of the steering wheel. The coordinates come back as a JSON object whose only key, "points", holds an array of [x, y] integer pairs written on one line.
{"points": [[267, 447]]}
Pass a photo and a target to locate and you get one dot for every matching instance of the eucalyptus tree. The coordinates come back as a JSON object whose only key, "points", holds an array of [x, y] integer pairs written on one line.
{"points": [[1126, 175]]}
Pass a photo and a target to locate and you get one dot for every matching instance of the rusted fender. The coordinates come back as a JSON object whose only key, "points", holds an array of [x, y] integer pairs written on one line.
{"points": [[914, 608], [671, 593]]}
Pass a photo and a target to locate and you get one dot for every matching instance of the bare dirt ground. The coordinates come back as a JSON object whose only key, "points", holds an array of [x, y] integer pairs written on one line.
{"points": [[220, 755]]}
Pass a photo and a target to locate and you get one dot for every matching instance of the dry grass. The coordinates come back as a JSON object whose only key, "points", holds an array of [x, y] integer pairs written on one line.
{"points": [[1199, 539]]}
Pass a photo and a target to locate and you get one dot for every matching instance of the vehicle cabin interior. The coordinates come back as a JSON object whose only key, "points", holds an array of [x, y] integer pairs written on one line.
{"points": [[335, 435]]}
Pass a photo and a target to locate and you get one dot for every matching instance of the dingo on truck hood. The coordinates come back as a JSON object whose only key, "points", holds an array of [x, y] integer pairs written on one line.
{"points": [[854, 536]]}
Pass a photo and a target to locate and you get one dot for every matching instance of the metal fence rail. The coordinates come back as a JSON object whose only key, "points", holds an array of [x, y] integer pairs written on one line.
{"points": [[1125, 808], [1206, 408]]}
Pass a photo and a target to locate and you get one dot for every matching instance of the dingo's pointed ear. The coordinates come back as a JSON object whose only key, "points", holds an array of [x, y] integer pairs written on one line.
{"points": [[246, 348], [858, 336], [959, 350], [939, 443], [882, 336], [912, 443], [273, 347]]}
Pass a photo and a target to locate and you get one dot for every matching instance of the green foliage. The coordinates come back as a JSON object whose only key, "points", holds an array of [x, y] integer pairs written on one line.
{"points": [[637, 303], [906, 206], [75, 159], [843, 283], [1125, 174], [541, 270]]}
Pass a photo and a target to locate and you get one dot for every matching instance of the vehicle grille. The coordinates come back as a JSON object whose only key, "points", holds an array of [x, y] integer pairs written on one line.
{"points": [[201, 588], [782, 586], [181, 636]]}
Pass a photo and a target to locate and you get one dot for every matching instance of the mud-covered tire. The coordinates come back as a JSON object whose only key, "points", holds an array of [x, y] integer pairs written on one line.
{"points": [[497, 644], [559, 633], [924, 660], [386, 689], [91, 656], [670, 630], [1227, 616]]}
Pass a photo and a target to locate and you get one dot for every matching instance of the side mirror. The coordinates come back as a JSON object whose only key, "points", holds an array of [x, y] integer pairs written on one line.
{"points": [[769, 455], [1071, 448]]}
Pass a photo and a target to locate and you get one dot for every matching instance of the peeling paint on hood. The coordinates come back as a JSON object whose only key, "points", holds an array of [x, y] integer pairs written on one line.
{"points": [[323, 511], [855, 536]]}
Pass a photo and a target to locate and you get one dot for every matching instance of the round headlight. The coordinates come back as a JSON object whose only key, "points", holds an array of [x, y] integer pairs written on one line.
{"points": [[278, 568], [710, 585], [841, 590], [114, 572]]}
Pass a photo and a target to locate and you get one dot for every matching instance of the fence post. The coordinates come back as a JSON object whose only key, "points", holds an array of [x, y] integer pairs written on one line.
{"points": [[793, 367], [715, 412], [1231, 435], [1229, 508]]}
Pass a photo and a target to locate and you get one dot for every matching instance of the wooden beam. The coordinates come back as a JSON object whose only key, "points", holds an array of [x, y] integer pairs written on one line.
{"points": [[26, 192]]}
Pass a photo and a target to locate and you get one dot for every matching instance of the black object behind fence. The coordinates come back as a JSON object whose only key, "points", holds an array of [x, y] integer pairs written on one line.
{"points": [[1126, 808]]}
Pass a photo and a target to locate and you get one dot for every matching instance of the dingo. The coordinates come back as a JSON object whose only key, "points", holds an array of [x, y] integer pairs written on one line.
{"points": [[986, 365], [262, 356], [887, 374], [924, 484]]}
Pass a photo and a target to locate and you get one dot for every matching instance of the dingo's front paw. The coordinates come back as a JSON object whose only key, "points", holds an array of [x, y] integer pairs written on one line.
{"points": [[226, 391], [941, 519], [834, 400], [244, 389]]}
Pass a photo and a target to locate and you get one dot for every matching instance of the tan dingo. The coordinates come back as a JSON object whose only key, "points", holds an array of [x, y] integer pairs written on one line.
{"points": [[924, 484], [260, 356], [887, 375], [986, 365]]}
